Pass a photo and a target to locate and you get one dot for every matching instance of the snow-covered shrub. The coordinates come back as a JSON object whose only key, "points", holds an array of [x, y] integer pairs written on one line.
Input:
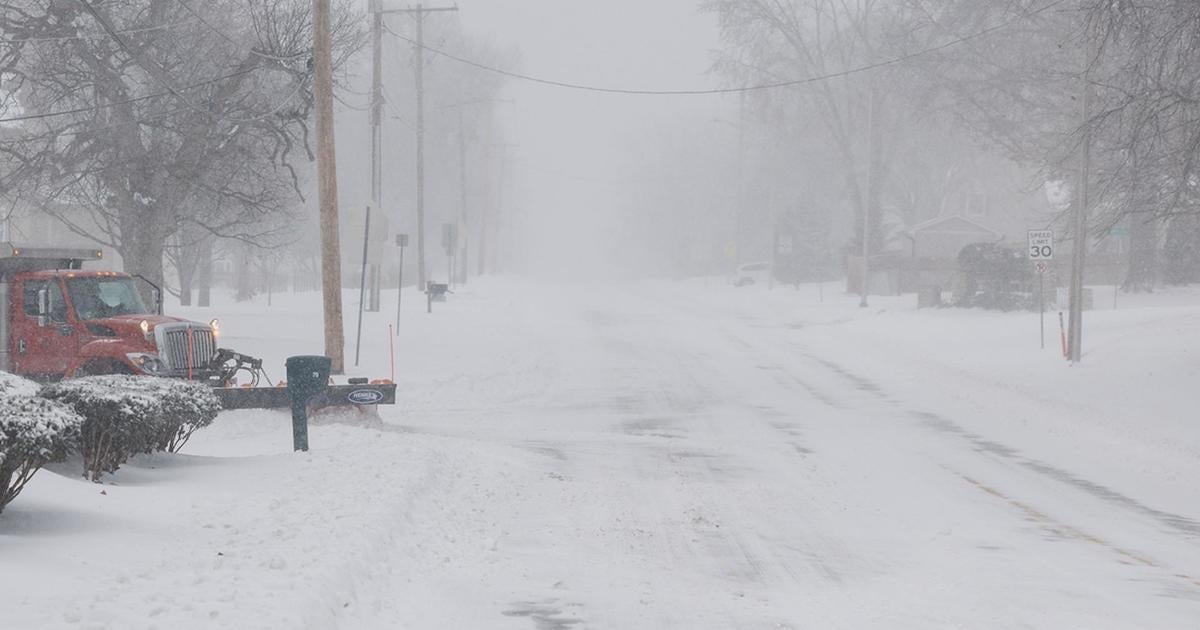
{"points": [[13, 385], [33, 432], [187, 407], [119, 421], [126, 415], [184, 407]]}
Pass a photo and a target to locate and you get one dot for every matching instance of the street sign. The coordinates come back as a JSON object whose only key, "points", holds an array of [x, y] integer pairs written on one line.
{"points": [[402, 240], [1041, 266], [1041, 245]]}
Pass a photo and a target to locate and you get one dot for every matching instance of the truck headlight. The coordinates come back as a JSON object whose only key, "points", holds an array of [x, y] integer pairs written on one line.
{"points": [[148, 363], [216, 327]]}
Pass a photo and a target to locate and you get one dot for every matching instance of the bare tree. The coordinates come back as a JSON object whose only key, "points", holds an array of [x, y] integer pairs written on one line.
{"points": [[156, 116], [1020, 91], [769, 40]]}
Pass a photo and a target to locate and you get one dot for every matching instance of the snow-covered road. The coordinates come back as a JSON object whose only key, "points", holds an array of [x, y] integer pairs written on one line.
{"points": [[651, 456]]}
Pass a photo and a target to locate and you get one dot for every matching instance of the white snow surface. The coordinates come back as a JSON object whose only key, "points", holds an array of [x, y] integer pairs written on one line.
{"points": [[13, 385], [657, 455]]}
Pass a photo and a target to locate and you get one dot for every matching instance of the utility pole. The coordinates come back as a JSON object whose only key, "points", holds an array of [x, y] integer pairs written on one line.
{"points": [[420, 11], [489, 222], [331, 261], [376, 122], [739, 221], [867, 198], [1075, 327], [464, 215], [462, 175]]}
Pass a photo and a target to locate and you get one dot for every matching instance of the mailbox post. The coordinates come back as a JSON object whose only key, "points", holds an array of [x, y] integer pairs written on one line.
{"points": [[307, 377], [434, 292]]}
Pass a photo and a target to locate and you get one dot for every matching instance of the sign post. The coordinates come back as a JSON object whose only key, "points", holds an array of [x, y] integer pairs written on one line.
{"points": [[362, 286], [401, 242], [450, 245], [1041, 252]]}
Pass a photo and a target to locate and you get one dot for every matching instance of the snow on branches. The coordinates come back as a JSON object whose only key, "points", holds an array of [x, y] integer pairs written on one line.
{"points": [[33, 432], [128, 415]]}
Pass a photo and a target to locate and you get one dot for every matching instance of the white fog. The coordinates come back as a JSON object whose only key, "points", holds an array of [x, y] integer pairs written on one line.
{"points": [[548, 315]]}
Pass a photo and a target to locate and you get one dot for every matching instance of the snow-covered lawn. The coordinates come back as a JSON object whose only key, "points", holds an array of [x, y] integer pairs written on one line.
{"points": [[658, 455]]}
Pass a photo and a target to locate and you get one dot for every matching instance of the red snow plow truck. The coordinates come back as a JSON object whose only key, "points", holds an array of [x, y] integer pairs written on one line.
{"points": [[58, 320]]}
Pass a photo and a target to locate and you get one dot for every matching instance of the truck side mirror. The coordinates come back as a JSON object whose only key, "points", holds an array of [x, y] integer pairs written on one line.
{"points": [[43, 307], [158, 294]]}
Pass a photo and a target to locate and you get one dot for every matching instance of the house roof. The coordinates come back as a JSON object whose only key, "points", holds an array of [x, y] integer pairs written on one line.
{"points": [[953, 225]]}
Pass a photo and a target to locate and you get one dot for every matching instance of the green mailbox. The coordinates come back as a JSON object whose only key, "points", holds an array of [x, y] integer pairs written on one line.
{"points": [[307, 377]]}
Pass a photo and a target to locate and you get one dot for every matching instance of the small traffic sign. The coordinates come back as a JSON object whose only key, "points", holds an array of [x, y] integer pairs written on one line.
{"points": [[1041, 266], [1041, 245]]}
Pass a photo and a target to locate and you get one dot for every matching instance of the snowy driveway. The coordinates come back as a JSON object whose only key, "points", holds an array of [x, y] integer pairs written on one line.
{"points": [[627, 457]]}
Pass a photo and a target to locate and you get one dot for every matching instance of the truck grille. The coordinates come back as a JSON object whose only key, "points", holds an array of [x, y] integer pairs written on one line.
{"points": [[173, 346]]}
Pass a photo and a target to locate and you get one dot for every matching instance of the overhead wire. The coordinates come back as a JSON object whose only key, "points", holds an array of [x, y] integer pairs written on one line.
{"points": [[66, 38], [143, 120], [81, 110], [151, 68], [593, 88], [733, 90]]}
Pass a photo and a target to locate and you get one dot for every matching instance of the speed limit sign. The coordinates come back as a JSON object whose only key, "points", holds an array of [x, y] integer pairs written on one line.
{"points": [[1041, 244]]}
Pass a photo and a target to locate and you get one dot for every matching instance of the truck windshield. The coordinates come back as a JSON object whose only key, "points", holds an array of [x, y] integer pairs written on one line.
{"points": [[98, 298]]}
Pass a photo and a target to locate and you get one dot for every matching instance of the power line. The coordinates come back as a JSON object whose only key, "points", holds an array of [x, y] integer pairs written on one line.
{"points": [[154, 70], [751, 88], [47, 136], [67, 38], [147, 97]]}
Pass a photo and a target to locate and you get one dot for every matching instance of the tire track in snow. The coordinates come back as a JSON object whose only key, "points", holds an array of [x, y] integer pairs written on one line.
{"points": [[1064, 530], [684, 429], [1171, 523], [1176, 523]]}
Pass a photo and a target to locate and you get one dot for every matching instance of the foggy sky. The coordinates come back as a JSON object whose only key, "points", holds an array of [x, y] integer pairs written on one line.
{"points": [[574, 148]]}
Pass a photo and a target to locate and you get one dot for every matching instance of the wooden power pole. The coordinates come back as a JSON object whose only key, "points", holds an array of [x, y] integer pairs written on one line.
{"points": [[331, 259], [1080, 216], [376, 118]]}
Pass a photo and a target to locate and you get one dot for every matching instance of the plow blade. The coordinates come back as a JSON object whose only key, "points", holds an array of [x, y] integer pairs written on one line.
{"points": [[334, 396]]}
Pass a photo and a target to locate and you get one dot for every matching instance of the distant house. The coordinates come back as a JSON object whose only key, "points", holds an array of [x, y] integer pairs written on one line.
{"points": [[31, 226], [944, 237]]}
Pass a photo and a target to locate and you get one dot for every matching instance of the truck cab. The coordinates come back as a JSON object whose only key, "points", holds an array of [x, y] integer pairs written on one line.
{"points": [[58, 320]]}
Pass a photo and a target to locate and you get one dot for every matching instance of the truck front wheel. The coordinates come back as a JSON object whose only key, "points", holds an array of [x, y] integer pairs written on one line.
{"points": [[100, 367]]}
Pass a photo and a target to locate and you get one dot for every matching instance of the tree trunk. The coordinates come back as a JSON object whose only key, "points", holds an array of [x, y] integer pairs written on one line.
{"points": [[205, 272], [187, 260], [1143, 255], [1181, 260], [185, 281], [242, 271], [142, 251]]}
